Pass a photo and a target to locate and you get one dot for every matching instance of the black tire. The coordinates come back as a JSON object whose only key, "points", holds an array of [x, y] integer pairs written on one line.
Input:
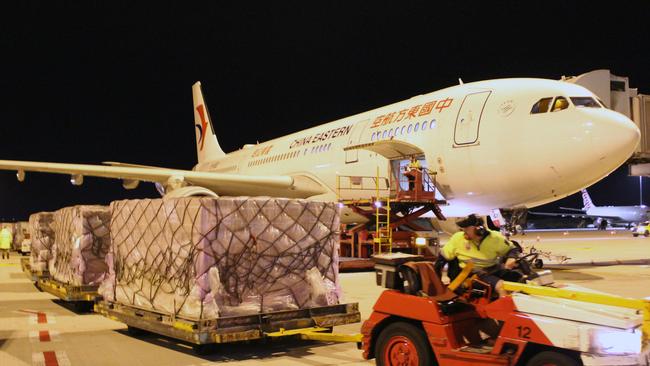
{"points": [[538, 263], [402, 340], [646, 234], [548, 358], [635, 235]]}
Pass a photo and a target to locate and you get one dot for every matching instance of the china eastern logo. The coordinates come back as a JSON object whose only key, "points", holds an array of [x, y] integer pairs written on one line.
{"points": [[203, 127]]}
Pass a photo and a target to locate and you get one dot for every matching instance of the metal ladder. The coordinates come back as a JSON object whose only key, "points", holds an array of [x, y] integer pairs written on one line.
{"points": [[383, 232]]}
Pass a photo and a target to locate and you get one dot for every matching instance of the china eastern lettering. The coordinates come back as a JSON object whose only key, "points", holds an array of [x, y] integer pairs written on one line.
{"points": [[321, 136]]}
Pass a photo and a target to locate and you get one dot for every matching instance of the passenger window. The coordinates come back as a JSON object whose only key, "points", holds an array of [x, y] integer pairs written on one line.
{"points": [[417, 127], [541, 106], [587, 102], [424, 125], [560, 104]]}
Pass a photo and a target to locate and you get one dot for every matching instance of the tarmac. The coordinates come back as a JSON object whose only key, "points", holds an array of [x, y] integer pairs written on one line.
{"points": [[61, 336]]}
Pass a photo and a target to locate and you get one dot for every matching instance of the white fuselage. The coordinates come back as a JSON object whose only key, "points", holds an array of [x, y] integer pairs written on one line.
{"points": [[625, 214], [481, 139]]}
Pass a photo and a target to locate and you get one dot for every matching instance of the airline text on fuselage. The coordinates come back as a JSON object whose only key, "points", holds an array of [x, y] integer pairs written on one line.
{"points": [[331, 134], [413, 112]]}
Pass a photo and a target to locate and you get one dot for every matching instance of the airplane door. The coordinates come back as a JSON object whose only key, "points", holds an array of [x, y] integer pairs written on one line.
{"points": [[468, 120], [352, 156]]}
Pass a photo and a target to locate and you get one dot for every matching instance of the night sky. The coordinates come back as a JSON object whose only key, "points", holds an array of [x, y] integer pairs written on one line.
{"points": [[92, 83]]}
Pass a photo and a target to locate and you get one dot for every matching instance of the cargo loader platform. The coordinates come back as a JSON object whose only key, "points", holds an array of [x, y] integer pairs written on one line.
{"points": [[310, 323]]}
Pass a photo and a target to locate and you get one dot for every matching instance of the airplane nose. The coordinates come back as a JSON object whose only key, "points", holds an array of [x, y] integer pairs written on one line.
{"points": [[577, 149], [614, 137]]}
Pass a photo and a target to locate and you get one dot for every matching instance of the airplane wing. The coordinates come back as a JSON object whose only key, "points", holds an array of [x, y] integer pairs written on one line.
{"points": [[574, 215], [572, 209], [220, 183], [117, 163]]}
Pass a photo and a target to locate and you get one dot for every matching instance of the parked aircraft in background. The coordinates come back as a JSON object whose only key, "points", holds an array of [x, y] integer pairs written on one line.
{"points": [[603, 215], [492, 144]]}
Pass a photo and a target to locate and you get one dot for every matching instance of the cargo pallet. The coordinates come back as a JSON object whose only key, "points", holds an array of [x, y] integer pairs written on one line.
{"points": [[311, 323], [67, 292], [25, 266], [33, 275]]}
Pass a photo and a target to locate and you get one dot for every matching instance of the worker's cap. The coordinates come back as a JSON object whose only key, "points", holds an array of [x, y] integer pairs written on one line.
{"points": [[471, 220]]}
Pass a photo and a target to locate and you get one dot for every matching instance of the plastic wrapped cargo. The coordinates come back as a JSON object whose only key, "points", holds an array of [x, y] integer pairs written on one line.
{"points": [[42, 235], [18, 235], [203, 257], [82, 240]]}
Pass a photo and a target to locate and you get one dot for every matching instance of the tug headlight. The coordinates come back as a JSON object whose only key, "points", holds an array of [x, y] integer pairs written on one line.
{"points": [[616, 342], [421, 242]]}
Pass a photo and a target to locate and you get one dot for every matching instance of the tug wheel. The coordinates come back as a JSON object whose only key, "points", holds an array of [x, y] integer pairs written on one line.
{"points": [[403, 344], [550, 358]]}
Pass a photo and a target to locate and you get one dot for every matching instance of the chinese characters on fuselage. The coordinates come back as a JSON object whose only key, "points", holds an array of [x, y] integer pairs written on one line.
{"points": [[413, 112]]}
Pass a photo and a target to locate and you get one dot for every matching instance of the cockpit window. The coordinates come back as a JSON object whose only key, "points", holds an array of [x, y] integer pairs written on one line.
{"points": [[587, 102], [541, 106], [559, 104]]}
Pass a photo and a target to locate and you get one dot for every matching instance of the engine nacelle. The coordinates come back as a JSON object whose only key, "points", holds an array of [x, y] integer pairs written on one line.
{"points": [[130, 183], [77, 179], [190, 191]]}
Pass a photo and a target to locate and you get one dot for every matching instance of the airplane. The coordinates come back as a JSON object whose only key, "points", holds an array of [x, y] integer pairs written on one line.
{"points": [[491, 144], [624, 215]]}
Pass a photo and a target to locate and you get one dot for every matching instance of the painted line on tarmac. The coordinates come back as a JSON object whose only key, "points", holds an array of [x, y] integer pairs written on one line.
{"points": [[42, 318], [627, 262], [38, 317], [50, 358], [36, 336]]}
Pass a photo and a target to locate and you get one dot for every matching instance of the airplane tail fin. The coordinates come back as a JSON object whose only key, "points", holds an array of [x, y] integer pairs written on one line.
{"points": [[207, 146], [586, 200]]}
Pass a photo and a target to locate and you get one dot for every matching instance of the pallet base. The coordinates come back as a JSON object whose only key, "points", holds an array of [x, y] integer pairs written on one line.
{"points": [[229, 329], [68, 292]]}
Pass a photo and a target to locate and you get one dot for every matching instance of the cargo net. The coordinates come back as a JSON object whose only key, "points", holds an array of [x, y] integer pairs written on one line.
{"points": [[202, 258], [42, 236], [82, 240]]}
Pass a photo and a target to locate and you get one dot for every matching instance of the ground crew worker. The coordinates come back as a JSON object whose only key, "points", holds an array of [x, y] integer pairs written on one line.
{"points": [[411, 171], [5, 242], [483, 247]]}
